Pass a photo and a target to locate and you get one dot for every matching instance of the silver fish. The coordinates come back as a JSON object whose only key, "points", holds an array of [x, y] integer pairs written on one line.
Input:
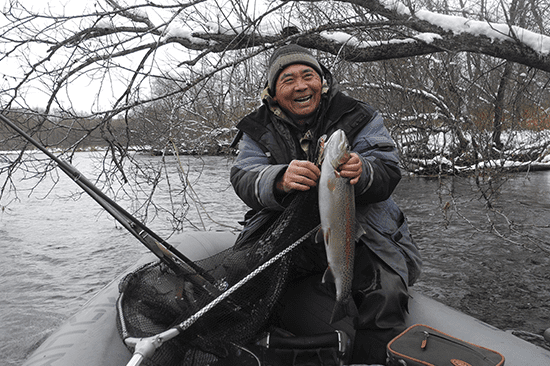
{"points": [[337, 212]]}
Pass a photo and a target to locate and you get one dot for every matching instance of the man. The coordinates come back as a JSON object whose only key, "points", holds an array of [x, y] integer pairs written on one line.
{"points": [[277, 147]]}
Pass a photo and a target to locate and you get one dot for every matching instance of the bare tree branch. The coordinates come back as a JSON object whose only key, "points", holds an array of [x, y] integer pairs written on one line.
{"points": [[183, 72]]}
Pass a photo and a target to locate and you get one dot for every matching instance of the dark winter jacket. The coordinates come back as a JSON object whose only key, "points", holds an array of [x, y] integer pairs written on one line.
{"points": [[270, 141]]}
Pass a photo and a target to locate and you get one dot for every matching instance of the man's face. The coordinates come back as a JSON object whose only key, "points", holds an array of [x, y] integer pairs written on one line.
{"points": [[298, 89]]}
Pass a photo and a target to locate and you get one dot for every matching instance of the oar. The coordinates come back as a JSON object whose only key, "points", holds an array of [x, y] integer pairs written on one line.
{"points": [[164, 251]]}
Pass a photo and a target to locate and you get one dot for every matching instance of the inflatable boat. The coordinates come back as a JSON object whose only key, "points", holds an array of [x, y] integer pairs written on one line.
{"points": [[91, 338]]}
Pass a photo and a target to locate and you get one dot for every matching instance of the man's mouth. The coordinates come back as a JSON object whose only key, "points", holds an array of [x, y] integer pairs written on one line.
{"points": [[303, 99]]}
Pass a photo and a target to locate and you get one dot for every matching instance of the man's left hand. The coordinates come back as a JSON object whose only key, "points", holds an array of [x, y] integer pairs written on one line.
{"points": [[352, 168]]}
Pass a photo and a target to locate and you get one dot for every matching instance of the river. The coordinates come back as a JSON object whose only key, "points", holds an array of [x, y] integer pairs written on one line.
{"points": [[59, 247]]}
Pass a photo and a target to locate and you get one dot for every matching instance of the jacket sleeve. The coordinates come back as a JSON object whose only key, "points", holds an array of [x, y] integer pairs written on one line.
{"points": [[253, 177], [380, 158]]}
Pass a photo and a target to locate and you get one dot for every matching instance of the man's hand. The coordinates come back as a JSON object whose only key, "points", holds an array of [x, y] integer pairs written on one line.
{"points": [[300, 175], [352, 168]]}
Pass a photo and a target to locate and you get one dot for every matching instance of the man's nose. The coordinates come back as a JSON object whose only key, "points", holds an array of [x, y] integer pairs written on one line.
{"points": [[300, 84]]}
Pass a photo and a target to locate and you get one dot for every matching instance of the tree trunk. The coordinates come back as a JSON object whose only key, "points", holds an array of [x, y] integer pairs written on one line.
{"points": [[500, 106]]}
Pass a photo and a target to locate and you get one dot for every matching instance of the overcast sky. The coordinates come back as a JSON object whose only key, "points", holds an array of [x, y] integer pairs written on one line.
{"points": [[84, 94], [83, 91]]}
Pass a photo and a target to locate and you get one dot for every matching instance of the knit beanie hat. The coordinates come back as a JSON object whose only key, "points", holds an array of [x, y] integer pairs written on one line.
{"points": [[289, 55]]}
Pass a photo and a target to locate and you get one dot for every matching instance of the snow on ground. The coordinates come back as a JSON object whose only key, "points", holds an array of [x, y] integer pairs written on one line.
{"points": [[440, 145]]}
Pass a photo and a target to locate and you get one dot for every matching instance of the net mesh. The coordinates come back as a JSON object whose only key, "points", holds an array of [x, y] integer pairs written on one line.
{"points": [[154, 299]]}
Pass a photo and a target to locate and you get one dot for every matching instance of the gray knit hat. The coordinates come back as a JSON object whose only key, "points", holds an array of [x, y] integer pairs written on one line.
{"points": [[289, 55]]}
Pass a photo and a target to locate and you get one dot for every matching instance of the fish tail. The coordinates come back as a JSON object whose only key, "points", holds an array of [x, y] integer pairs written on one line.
{"points": [[343, 309]]}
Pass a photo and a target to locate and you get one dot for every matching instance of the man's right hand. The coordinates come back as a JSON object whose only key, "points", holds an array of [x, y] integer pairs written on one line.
{"points": [[300, 175]]}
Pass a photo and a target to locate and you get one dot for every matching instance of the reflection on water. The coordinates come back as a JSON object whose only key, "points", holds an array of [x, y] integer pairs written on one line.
{"points": [[58, 251], [492, 264]]}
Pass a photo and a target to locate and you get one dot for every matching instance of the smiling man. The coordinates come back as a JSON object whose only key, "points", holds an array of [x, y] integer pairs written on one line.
{"points": [[277, 147], [298, 91]]}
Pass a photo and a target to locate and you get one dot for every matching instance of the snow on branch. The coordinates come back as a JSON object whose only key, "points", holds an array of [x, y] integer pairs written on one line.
{"points": [[459, 25], [438, 32], [495, 31]]}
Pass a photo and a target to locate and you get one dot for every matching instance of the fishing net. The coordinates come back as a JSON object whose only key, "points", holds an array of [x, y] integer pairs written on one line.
{"points": [[154, 299]]}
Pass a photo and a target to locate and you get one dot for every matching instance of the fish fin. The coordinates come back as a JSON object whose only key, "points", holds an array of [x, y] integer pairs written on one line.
{"points": [[359, 232], [328, 276], [319, 236], [343, 309], [322, 236]]}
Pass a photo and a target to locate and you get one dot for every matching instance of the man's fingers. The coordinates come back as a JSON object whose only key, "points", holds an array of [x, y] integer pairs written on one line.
{"points": [[300, 175], [302, 168], [352, 169]]}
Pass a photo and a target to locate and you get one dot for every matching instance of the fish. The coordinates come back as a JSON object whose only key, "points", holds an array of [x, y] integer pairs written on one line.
{"points": [[337, 215]]}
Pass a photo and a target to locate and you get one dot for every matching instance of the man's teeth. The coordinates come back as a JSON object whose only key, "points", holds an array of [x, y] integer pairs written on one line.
{"points": [[304, 99]]}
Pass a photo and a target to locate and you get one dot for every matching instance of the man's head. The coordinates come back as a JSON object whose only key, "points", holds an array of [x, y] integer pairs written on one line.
{"points": [[295, 79], [286, 56]]}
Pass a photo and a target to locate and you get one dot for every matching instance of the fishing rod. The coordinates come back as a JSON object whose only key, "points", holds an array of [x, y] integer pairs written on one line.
{"points": [[178, 262]]}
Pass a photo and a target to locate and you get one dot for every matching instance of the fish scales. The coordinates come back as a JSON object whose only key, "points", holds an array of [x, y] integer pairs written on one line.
{"points": [[337, 213]]}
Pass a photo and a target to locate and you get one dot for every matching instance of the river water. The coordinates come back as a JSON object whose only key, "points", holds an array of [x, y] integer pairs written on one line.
{"points": [[59, 248]]}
